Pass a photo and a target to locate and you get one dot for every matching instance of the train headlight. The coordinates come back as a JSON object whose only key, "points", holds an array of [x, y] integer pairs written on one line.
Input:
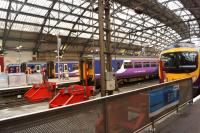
{"points": [[194, 78], [165, 79]]}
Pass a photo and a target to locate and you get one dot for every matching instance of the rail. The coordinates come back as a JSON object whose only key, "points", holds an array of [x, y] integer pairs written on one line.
{"points": [[126, 112]]}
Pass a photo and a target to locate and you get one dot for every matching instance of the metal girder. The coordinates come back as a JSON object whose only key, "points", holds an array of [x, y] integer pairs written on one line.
{"points": [[92, 35], [28, 23], [6, 22], [193, 6], [70, 32], [153, 8], [66, 4], [12, 22], [62, 19], [179, 29], [38, 43]]}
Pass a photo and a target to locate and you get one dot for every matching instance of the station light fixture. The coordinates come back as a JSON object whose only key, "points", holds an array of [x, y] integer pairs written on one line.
{"points": [[19, 47]]}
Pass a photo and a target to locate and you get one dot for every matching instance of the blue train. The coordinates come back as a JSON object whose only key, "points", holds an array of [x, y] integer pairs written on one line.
{"points": [[36, 67]]}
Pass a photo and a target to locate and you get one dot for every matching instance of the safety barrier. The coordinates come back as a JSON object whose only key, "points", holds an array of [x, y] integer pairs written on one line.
{"points": [[126, 112]]}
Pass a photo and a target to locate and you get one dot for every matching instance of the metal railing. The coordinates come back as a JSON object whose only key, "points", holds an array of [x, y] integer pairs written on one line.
{"points": [[124, 113]]}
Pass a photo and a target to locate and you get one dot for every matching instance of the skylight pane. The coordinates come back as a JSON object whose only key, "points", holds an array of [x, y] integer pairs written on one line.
{"points": [[3, 14], [45, 3], [4, 4], [2, 25]]}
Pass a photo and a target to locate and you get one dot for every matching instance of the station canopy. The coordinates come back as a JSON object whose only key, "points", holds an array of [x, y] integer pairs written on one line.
{"points": [[35, 24]]}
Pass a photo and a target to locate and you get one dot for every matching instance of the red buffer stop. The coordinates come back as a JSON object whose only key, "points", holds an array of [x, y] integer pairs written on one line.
{"points": [[70, 95], [40, 92]]}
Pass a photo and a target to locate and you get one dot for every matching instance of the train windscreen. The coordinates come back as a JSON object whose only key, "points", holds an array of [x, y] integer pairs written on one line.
{"points": [[180, 62]]}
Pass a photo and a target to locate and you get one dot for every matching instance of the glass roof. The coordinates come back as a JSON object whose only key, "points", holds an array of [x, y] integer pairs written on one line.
{"points": [[75, 18]]}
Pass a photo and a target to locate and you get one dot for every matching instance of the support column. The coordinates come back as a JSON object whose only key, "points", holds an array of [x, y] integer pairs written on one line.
{"points": [[108, 36], [102, 46]]}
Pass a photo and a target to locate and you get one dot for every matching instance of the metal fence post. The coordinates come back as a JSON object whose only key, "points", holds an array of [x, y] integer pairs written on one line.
{"points": [[105, 116]]}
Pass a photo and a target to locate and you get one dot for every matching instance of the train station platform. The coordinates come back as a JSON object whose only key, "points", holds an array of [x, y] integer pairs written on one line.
{"points": [[187, 120], [167, 107], [71, 80]]}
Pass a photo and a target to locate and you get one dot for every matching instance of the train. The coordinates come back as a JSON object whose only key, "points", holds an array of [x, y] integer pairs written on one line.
{"points": [[181, 60], [129, 69], [70, 67], [125, 69]]}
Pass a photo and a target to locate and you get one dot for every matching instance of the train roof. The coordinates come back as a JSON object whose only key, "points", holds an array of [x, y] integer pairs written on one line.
{"points": [[13, 64], [181, 45], [130, 58], [142, 60]]}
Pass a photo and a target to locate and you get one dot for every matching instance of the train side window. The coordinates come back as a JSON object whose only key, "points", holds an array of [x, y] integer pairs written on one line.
{"points": [[75, 67], [146, 64], [153, 64], [137, 64], [128, 65], [90, 64]]}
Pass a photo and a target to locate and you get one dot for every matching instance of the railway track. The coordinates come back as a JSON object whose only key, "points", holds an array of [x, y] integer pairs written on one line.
{"points": [[13, 102]]}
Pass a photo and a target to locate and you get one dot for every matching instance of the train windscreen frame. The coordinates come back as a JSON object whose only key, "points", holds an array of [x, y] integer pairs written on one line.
{"points": [[180, 62]]}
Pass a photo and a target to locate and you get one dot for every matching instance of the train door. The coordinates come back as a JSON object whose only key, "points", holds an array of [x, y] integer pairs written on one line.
{"points": [[61, 67], [1, 63], [50, 69], [65, 68], [87, 71], [38, 68]]}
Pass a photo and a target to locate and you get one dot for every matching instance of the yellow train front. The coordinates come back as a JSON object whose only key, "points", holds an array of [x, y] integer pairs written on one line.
{"points": [[179, 61]]}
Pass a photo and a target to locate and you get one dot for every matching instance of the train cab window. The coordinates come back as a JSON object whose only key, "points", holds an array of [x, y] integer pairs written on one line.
{"points": [[180, 62], [153, 64], [137, 65], [90, 64], [146, 64], [128, 65]]}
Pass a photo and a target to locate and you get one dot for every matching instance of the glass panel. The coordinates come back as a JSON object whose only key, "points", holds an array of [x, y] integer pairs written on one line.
{"points": [[180, 62], [75, 67], [153, 64], [128, 65], [146, 64], [137, 65]]}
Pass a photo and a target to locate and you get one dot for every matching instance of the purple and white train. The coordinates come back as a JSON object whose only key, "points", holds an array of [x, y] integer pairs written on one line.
{"points": [[132, 69], [138, 67]]}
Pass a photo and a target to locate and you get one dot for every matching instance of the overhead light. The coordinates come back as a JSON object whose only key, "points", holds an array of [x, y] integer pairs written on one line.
{"points": [[19, 47]]}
